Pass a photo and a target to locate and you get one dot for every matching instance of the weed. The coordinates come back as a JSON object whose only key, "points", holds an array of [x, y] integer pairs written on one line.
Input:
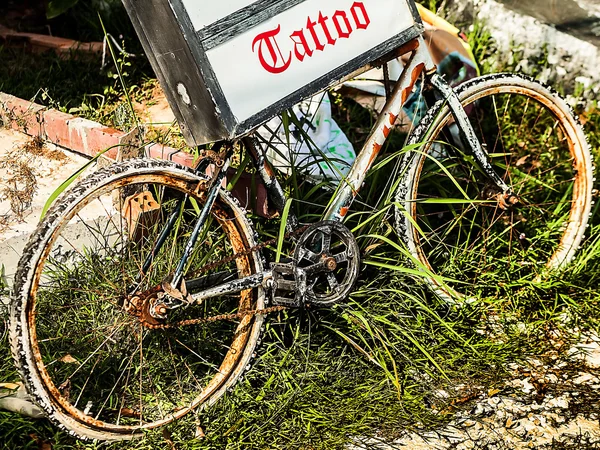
{"points": [[73, 86], [37, 148], [20, 185]]}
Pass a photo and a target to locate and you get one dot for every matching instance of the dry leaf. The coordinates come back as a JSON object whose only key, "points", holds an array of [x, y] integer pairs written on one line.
{"points": [[372, 247], [199, 432], [42, 445], [522, 160], [128, 412], [68, 359], [493, 392]]}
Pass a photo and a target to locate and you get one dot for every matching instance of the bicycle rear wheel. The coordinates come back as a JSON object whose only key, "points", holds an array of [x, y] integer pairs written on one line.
{"points": [[77, 336], [460, 235]]}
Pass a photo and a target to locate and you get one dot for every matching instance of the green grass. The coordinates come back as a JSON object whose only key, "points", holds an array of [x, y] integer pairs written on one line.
{"points": [[373, 366], [75, 85]]}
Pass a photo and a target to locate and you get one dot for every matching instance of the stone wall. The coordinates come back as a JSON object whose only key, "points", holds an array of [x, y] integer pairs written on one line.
{"points": [[524, 41]]}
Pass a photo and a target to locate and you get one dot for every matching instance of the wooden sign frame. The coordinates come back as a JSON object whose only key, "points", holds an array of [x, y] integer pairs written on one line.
{"points": [[213, 100]]}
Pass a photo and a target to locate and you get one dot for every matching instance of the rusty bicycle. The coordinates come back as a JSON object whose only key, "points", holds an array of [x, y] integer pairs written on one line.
{"points": [[143, 292]]}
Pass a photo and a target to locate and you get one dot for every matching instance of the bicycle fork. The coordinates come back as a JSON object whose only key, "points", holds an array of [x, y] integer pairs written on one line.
{"points": [[474, 147]]}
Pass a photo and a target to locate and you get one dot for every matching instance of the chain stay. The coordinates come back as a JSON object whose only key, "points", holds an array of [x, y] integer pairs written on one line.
{"points": [[233, 316], [218, 318]]}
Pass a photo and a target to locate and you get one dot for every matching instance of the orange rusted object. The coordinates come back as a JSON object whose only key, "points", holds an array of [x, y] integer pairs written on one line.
{"points": [[39, 43], [141, 213]]}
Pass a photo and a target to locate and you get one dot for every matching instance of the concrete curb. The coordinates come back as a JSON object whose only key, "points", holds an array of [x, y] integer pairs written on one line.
{"points": [[517, 35], [39, 43], [74, 133]]}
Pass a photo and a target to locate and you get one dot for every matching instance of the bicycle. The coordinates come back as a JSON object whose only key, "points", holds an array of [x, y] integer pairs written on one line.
{"points": [[172, 275]]}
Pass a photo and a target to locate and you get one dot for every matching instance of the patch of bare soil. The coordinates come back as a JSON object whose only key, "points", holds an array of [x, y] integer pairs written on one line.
{"points": [[547, 403], [20, 177]]}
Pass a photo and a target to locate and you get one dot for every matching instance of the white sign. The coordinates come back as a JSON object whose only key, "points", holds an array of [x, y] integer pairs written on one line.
{"points": [[203, 13], [285, 53]]}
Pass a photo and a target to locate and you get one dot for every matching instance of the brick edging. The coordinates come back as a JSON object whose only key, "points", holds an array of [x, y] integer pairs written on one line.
{"points": [[43, 42], [90, 138], [75, 133]]}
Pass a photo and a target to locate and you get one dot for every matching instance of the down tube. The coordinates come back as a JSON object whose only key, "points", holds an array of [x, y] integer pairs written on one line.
{"points": [[349, 187]]}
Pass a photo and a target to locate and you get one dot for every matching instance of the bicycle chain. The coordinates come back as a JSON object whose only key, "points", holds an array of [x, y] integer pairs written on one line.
{"points": [[233, 316], [217, 318]]}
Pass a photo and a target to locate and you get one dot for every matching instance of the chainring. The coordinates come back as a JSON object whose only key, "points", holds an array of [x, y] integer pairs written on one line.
{"points": [[327, 262]]}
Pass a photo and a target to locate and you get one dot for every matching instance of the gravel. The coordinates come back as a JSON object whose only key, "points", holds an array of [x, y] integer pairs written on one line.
{"points": [[542, 405]]}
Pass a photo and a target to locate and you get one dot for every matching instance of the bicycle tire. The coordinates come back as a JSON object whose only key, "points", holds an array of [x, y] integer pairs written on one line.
{"points": [[93, 367], [472, 247]]}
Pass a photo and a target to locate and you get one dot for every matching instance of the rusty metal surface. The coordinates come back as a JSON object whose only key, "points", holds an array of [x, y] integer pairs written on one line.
{"points": [[419, 61], [581, 184], [229, 364]]}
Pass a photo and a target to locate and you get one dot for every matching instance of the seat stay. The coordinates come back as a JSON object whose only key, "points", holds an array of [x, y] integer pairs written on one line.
{"points": [[211, 197], [274, 190]]}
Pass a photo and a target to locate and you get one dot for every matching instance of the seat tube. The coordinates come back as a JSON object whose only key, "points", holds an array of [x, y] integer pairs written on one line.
{"points": [[419, 62], [267, 175]]}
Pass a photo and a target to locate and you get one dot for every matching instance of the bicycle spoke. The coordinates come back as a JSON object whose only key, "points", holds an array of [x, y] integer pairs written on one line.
{"points": [[465, 237], [96, 340]]}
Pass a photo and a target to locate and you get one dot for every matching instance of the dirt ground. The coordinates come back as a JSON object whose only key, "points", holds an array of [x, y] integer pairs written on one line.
{"points": [[29, 173]]}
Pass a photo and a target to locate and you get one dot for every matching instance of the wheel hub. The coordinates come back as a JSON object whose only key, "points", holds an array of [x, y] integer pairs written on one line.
{"points": [[148, 307]]}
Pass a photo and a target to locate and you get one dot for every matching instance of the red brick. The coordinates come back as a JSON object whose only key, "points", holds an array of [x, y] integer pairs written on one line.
{"points": [[103, 138], [21, 115], [55, 127], [184, 159], [42, 40], [38, 43], [77, 134]]}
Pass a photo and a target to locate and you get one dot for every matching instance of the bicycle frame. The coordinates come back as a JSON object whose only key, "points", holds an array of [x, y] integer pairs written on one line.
{"points": [[419, 63]]}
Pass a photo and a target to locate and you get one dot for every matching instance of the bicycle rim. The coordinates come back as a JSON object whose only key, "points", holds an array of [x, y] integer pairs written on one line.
{"points": [[464, 238], [90, 362]]}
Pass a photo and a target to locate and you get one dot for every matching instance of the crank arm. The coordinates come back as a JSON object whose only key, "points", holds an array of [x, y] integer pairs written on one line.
{"points": [[474, 146], [233, 287]]}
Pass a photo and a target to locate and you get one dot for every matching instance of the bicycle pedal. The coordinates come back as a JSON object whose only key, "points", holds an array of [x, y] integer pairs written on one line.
{"points": [[284, 284]]}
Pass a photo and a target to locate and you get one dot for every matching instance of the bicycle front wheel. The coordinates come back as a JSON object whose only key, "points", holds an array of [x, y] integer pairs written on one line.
{"points": [[464, 239], [85, 345]]}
